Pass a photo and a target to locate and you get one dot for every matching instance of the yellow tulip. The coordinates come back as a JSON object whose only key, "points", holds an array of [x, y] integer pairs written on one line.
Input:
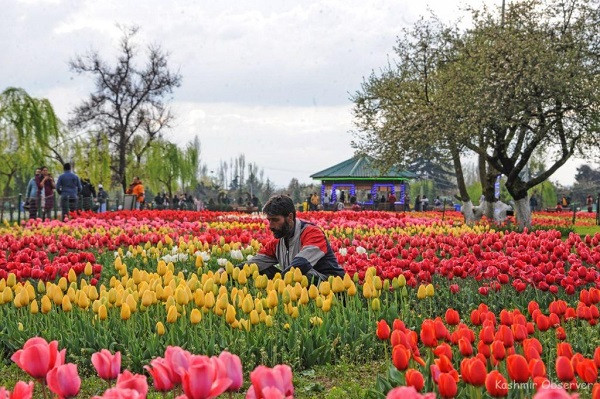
{"points": [[401, 280], [429, 290], [319, 302], [33, 308], [242, 277], [125, 312], [160, 327], [62, 284], [66, 304], [199, 298], [131, 302], [20, 326], [230, 314], [147, 298], [195, 316], [316, 321], [422, 292], [209, 300], [72, 277], [377, 283], [11, 280], [181, 296], [352, 289], [88, 269], [199, 262], [376, 304], [367, 290], [3, 284], [172, 314], [102, 312], [247, 304], [313, 292], [46, 305], [83, 301], [327, 304], [272, 300], [325, 288]]}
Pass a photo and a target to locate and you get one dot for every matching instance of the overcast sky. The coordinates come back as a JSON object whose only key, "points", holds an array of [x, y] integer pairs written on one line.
{"points": [[270, 79]]}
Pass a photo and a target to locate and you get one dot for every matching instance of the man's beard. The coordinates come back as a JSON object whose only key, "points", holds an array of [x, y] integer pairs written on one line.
{"points": [[283, 232]]}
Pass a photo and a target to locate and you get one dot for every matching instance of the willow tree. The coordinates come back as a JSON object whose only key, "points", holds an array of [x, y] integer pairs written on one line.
{"points": [[91, 157], [163, 166], [528, 82], [29, 130], [129, 100]]}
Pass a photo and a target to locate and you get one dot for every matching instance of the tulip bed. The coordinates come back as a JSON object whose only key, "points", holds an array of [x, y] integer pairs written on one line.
{"points": [[140, 282]]}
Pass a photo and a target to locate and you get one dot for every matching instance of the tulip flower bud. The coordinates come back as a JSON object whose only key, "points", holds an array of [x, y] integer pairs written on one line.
{"points": [[102, 312], [195, 316], [46, 305], [160, 328], [66, 304], [125, 312]]}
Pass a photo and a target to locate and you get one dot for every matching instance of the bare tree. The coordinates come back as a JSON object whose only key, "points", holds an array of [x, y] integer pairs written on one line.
{"points": [[128, 100]]}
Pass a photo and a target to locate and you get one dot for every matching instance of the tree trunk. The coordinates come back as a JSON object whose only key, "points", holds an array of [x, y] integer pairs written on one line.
{"points": [[523, 212], [463, 194], [122, 162]]}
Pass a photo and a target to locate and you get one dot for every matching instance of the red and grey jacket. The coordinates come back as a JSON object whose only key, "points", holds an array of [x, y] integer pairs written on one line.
{"points": [[308, 249]]}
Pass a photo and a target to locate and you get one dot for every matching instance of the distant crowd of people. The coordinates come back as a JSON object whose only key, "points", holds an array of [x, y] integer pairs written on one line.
{"points": [[388, 202]]}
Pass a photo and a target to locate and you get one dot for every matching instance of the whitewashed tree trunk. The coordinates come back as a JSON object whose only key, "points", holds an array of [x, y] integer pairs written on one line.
{"points": [[487, 209], [523, 212], [467, 211]]}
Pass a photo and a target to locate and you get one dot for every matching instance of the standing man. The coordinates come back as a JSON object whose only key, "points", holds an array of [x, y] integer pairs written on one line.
{"points": [[102, 198], [33, 193], [68, 186], [297, 243], [589, 201], [88, 193]]}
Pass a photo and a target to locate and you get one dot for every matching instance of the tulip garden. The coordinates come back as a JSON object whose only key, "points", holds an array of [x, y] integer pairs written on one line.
{"points": [[150, 304]]}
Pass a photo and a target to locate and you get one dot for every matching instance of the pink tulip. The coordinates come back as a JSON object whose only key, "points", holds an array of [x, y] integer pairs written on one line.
{"points": [[408, 393], [38, 357], [178, 360], [233, 366], [64, 380], [106, 364], [279, 377], [553, 393], [202, 380], [21, 390], [137, 382], [162, 375], [119, 393]]}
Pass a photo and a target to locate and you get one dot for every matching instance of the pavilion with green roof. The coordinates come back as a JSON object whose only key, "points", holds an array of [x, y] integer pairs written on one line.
{"points": [[362, 180]]}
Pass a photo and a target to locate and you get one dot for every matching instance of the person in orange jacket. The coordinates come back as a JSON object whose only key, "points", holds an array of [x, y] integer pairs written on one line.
{"points": [[137, 188]]}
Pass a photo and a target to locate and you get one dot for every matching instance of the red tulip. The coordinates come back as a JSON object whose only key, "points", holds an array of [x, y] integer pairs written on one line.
{"points": [[447, 386], [597, 357], [162, 375], [414, 379], [561, 335], [465, 347], [137, 382], [428, 336], [596, 391], [537, 368], [498, 350], [233, 365], [518, 369], [474, 371], [496, 385], [564, 349], [20, 391], [452, 317], [487, 335], [587, 371], [564, 369], [64, 381], [38, 357], [400, 357], [383, 330], [106, 364], [443, 349], [408, 393]]}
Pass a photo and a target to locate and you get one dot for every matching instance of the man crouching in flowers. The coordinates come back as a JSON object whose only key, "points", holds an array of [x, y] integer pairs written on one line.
{"points": [[297, 243]]}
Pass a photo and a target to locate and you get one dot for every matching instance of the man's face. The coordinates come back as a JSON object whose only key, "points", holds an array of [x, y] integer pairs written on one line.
{"points": [[281, 226], [45, 171], [38, 171]]}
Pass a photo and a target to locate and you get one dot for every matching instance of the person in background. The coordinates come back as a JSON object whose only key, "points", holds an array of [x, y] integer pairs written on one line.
{"points": [[32, 196], [418, 204], [392, 201], [406, 202], [326, 202], [589, 201], [559, 207], [88, 194], [342, 197], [533, 202], [437, 203], [425, 203], [564, 202], [102, 198], [159, 201], [46, 187], [68, 186], [137, 188]]}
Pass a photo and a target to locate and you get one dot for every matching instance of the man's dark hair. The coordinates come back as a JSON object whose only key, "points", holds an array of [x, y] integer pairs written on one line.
{"points": [[280, 205], [67, 166], [43, 167]]}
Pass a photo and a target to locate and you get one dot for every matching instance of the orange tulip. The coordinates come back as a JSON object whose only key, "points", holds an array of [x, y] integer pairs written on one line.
{"points": [[400, 357], [519, 332], [518, 369], [483, 349], [537, 368], [487, 335], [564, 349], [597, 357], [427, 334], [443, 349], [496, 384], [561, 335], [465, 347], [505, 335], [596, 391], [473, 371], [542, 321], [414, 379], [564, 369], [498, 350]]}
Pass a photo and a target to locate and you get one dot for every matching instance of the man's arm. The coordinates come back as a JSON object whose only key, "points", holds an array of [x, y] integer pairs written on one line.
{"points": [[266, 257], [313, 247]]}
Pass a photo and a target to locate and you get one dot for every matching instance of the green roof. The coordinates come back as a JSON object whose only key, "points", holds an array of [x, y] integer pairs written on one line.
{"points": [[361, 167]]}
